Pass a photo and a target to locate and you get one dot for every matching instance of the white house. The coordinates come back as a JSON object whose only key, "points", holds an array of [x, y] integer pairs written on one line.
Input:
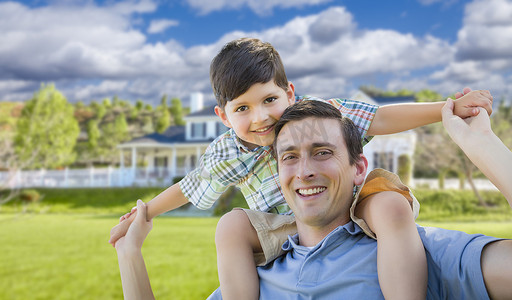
{"points": [[176, 151]]}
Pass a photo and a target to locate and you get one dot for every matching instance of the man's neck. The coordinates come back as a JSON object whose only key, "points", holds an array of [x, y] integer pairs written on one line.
{"points": [[310, 236]]}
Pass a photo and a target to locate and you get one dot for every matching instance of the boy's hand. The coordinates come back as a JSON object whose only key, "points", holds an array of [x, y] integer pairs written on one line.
{"points": [[119, 231], [467, 104], [127, 215], [137, 231]]}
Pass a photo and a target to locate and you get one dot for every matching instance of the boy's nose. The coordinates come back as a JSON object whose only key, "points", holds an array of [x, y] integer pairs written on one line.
{"points": [[260, 115]]}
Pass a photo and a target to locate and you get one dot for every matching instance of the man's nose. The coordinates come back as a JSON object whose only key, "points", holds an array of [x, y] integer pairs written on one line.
{"points": [[305, 170]]}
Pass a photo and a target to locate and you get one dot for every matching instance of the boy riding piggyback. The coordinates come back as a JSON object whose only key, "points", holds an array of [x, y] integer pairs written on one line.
{"points": [[252, 91]]}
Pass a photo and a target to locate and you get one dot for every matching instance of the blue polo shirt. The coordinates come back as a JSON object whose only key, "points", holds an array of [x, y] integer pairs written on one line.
{"points": [[344, 266]]}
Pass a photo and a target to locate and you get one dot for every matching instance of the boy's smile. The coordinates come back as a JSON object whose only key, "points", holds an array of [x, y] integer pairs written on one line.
{"points": [[253, 114]]}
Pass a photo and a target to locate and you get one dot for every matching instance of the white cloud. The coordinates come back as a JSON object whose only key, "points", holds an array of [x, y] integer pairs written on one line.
{"points": [[158, 26], [487, 30], [260, 7]]}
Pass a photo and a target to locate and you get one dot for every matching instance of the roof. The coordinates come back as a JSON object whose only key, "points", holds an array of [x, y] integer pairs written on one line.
{"points": [[172, 135], [205, 112]]}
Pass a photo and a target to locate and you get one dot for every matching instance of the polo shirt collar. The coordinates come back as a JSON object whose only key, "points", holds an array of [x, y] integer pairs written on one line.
{"points": [[350, 228]]}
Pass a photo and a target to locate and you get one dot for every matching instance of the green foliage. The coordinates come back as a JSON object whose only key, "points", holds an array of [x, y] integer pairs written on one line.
{"points": [[30, 195], [163, 120], [177, 111], [47, 130], [93, 133], [427, 95], [457, 205]]}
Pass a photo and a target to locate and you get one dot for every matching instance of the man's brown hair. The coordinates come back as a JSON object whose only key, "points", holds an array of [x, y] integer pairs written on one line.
{"points": [[322, 110]]}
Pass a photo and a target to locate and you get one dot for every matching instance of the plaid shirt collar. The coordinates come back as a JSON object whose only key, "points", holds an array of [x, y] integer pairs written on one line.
{"points": [[243, 148]]}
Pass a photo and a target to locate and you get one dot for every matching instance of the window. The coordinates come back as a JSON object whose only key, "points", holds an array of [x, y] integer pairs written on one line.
{"points": [[198, 130], [383, 160], [160, 161], [221, 128]]}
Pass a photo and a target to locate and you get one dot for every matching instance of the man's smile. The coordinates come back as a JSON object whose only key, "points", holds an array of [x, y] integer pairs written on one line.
{"points": [[310, 191]]}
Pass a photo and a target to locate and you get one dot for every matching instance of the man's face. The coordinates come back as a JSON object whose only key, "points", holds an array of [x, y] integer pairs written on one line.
{"points": [[253, 114], [315, 174]]}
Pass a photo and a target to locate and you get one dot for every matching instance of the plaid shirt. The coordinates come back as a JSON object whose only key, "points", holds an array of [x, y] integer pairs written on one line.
{"points": [[228, 162]]}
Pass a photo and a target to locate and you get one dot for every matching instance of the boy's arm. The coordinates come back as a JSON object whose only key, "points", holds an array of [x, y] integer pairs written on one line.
{"points": [[395, 118], [167, 200]]}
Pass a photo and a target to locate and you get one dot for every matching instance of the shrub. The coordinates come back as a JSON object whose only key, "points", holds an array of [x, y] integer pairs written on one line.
{"points": [[30, 196]]}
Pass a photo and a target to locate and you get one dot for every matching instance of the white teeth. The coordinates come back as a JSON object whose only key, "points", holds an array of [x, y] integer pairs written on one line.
{"points": [[308, 192], [262, 130]]}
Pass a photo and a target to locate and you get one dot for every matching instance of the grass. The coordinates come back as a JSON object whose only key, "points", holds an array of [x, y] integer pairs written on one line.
{"points": [[68, 257], [57, 248]]}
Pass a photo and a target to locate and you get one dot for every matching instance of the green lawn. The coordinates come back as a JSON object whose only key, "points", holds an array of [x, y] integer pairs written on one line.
{"points": [[66, 256]]}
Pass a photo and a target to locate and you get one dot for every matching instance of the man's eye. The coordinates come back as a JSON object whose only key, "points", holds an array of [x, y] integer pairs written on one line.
{"points": [[270, 99], [288, 157], [242, 108], [323, 153]]}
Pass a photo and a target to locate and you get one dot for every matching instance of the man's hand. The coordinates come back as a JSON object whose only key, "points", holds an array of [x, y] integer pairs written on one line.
{"points": [[468, 102], [137, 232], [463, 131]]}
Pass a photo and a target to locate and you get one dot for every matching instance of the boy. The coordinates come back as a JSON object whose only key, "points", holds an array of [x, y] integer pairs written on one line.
{"points": [[252, 91]]}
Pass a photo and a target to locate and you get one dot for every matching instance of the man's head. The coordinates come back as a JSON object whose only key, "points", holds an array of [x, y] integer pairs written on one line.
{"points": [[251, 88], [320, 159]]}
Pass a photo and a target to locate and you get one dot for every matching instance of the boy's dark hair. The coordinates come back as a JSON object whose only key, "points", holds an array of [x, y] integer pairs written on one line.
{"points": [[242, 63], [322, 110]]}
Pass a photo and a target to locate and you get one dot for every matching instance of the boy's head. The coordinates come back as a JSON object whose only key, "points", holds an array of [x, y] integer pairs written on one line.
{"points": [[251, 88], [241, 64]]}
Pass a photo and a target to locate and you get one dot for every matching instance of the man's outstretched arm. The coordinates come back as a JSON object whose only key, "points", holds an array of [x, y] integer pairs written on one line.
{"points": [[476, 138], [134, 276]]}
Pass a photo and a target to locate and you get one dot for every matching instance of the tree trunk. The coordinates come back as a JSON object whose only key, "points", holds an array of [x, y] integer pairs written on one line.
{"points": [[469, 175]]}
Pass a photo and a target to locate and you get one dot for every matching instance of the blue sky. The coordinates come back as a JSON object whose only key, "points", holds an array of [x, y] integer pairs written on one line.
{"points": [[143, 49]]}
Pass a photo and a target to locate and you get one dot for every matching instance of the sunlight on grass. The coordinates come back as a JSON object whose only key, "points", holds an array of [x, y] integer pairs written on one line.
{"points": [[68, 257]]}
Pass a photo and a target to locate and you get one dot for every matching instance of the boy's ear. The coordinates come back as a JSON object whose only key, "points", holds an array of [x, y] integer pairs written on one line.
{"points": [[361, 168], [222, 115], [290, 93]]}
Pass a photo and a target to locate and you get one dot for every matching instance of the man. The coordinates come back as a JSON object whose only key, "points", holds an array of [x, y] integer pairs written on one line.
{"points": [[330, 257]]}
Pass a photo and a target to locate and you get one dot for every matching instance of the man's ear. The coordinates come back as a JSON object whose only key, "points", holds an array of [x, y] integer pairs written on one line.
{"points": [[222, 115], [361, 168], [290, 93]]}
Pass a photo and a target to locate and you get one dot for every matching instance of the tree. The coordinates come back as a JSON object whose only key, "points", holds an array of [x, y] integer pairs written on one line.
{"points": [[427, 95], [47, 130], [177, 111], [163, 120]]}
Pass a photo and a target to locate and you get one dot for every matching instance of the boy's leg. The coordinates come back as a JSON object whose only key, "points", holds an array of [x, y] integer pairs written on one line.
{"points": [[401, 260], [237, 241]]}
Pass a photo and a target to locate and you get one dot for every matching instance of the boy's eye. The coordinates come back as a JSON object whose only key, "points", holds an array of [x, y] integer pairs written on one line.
{"points": [[270, 99], [241, 108]]}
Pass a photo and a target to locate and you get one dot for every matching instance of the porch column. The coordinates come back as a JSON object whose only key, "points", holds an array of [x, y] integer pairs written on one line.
{"points": [[121, 159], [134, 158], [173, 163], [198, 155]]}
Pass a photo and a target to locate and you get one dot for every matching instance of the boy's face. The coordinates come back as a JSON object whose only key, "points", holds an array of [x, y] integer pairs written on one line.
{"points": [[253, 114]]}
